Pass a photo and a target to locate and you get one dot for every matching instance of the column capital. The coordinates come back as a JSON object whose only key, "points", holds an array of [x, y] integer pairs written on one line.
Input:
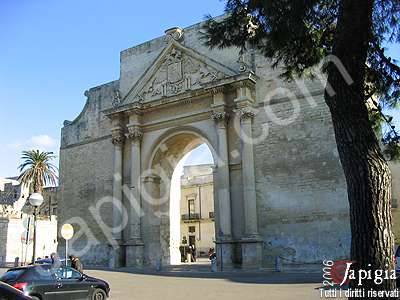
{"points": [[245, 92], [246, 113], [117, 136], [220, 116], [135, 132]]}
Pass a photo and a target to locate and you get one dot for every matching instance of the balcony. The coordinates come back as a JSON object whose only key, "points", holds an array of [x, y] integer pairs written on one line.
{"points": [[191, 217]]}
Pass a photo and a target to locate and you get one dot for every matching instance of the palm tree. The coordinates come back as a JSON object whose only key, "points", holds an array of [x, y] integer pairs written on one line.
{"points": [[37, 169]]}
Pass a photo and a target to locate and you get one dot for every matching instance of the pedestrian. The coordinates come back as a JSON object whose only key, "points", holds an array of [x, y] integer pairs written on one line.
{"points": [[55, 260], [182, 251], [211, 254], [189, 254], [76, 263], [193, 253]]}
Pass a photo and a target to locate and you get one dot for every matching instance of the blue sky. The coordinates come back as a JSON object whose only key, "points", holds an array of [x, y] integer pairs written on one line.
{"points": [[52, 51]]}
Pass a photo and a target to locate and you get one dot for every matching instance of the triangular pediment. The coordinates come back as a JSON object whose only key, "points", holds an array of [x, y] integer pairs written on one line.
{"points": [[177, 70]]}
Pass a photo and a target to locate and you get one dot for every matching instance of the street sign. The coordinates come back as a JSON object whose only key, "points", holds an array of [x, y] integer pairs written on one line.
{"points": [[67, 231]]}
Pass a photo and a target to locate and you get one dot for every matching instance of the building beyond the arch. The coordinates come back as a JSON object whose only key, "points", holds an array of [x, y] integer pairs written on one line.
{"points": [[279, 186]]}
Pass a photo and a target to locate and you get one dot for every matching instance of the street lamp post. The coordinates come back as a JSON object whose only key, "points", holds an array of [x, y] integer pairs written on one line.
{"points": [[36, 199]]}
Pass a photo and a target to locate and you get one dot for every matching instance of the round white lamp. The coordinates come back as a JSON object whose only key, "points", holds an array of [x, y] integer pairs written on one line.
{"points": [[36, 199]]}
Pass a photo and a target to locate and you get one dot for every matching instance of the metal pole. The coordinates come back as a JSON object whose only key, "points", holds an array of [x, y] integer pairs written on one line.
{"points": [[22, 253], [28, 234], [34, 236], [66, 253]]}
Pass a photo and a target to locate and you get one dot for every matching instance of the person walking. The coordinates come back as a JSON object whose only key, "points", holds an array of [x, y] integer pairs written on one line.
{"points": [[76, 263], [193, 253], [55, 260]]}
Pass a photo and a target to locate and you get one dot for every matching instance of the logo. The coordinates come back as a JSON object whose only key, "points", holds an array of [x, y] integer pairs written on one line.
{"points": [[339, 271]]}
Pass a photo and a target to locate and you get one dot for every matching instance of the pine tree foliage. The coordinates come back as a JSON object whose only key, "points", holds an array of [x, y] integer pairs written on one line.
{"points": [[299, 34]]}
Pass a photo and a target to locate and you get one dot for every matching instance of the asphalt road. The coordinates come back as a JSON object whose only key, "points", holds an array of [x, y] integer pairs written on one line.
{"points": [[196, 286], [207, 286]]}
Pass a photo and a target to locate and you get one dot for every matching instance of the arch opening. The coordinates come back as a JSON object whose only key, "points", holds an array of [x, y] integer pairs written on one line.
{"points": [[185, 164]]}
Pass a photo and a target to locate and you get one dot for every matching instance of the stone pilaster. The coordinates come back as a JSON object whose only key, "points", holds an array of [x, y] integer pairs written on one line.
{"points": [[116, 255], [223, 182], [224, 245], [251, 243], [152, 219], [134, 244], [249, 187]]}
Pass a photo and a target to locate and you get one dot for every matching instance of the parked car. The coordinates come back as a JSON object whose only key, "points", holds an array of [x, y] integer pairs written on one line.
{"points": [[46, 282], [7, 292]]}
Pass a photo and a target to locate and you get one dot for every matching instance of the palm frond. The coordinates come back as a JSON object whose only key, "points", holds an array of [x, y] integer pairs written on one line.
{"points": [[37, 169]]}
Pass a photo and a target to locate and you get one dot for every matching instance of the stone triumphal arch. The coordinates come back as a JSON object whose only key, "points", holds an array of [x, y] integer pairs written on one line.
{"points": [[279, 196], [189, 99]]}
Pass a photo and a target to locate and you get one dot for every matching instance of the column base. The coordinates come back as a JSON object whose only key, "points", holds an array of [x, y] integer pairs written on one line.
{"points": [[117, 252], [225, 254], [251, 252], [134, 253]]}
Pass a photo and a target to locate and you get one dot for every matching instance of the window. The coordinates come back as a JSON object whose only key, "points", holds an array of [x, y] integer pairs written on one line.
{"points": [[12, 275], [39, 274], [67, 273], [191, 207], [192, 229]]}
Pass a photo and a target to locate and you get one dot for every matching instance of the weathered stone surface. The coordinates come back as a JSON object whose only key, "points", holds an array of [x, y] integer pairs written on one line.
{"points": [[301, 202]]}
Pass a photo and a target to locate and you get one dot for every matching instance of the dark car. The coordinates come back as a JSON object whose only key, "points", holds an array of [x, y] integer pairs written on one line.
{"points": [[7, 292], [46, 282]]}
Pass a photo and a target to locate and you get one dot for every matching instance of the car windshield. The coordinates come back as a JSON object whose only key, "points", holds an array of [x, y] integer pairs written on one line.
{"points": [[12, 275]]}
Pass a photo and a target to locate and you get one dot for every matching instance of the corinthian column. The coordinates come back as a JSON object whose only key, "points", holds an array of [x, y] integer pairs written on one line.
{"points": [[251, 243], [118, 139], [134, 245], [223, 184], [135, 136], [249, 187]]}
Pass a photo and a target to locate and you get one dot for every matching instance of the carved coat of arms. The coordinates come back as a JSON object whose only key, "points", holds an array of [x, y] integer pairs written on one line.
{"points": [[178, 73], [174, 72]]}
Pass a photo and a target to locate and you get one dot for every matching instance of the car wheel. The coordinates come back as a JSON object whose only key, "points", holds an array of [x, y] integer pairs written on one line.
{"points": [[99, 294]]}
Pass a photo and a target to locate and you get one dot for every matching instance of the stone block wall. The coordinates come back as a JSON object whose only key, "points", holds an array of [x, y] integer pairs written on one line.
{"points": [[301, 191], [86, 177]]}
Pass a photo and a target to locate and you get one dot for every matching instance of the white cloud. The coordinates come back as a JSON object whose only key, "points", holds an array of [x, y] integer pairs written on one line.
{"points": [[42, 141]]}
